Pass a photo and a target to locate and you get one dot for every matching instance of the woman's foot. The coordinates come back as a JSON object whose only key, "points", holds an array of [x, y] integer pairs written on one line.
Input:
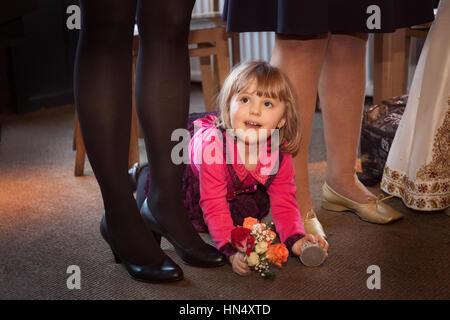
{"points": [[370, 209], [166, 216], [135, 246], [170, 220], [351, 188]]}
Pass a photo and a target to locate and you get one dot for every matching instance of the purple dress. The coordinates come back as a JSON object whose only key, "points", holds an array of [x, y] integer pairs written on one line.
{"points": [[246, 198]]}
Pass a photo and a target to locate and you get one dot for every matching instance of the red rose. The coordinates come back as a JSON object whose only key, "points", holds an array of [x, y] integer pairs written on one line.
{"points": [[242, 240]]}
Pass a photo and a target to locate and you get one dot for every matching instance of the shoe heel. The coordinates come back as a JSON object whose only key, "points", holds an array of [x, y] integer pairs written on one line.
{"points": [[116, 257], [333, 207], [157, 237]]}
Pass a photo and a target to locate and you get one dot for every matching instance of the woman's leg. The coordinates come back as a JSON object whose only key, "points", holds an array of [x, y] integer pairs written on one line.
{"points": [[102, 85], [162, 100], [342, 86], [301, 58]]}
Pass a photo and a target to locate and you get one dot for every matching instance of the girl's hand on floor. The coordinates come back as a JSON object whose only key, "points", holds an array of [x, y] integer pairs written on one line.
{"points": [[296, 248], [239, 264]]}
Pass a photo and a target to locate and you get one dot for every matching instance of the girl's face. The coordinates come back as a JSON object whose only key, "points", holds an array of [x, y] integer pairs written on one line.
{"points": [[248, 111]]}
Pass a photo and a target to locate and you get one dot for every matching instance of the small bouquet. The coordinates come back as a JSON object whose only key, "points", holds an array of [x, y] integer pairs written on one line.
{"points": [[254, 240]]}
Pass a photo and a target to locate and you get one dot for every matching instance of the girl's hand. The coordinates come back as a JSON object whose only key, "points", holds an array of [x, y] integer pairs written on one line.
{"points": [[296, 248], [239, 264]]}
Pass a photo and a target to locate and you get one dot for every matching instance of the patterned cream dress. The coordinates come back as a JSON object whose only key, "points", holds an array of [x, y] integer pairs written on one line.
{"points": [[418, 166]]}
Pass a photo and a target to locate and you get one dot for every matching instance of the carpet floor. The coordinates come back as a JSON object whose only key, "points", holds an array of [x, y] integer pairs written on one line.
{"points": [[49, 221]]}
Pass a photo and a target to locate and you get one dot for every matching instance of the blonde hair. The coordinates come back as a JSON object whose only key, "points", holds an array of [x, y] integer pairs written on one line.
{"points": [[271, 83]]}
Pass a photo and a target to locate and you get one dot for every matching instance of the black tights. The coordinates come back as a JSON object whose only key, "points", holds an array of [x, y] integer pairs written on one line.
{"points": [[103, 99]]}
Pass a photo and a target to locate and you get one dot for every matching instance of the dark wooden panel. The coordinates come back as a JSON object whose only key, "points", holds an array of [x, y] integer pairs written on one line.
{"points": [[43, 64]]}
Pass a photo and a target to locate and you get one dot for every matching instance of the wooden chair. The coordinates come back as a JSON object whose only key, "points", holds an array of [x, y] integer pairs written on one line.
{"points": [[209, 42], [391, 61]]}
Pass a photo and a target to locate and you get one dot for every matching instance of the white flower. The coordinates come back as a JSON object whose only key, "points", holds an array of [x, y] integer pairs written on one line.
{"points": [[261, 247], [257, 227], [253, 259]]}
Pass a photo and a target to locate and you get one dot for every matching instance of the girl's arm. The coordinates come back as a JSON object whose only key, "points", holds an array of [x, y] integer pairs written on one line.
{"points": [[216, 211], [283, 203]]}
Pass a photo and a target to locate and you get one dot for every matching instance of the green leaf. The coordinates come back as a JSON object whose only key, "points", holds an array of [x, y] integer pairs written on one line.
{"points": [[267, 275]]}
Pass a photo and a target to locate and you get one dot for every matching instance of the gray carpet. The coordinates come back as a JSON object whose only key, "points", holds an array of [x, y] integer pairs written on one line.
{"points": [[49, 220]]}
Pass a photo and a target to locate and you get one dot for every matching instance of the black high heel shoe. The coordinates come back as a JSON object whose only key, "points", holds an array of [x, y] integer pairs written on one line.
{"points": [[166, 271], [205, 256]]}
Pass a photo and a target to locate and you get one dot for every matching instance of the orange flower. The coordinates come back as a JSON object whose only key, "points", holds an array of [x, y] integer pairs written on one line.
{"points": [[249, 222], [277, 254]]}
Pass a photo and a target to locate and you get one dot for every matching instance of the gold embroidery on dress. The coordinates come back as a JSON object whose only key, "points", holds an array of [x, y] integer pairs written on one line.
{"points": [[440, 163], [433, 195], [432, 191]]}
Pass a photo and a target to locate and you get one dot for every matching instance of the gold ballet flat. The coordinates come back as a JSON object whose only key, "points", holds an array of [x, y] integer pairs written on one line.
{"points": [[374, 211], [312, 224]]}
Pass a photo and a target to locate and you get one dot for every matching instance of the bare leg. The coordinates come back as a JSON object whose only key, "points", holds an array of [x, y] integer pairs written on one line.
{"points": [[301, 58], [341, 89]]}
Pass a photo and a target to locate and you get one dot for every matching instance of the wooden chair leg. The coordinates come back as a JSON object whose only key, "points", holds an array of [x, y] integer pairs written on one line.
{"points": [[223, 56], [80, 153], [209, 86], [235, 48], [389, 65], [76, 129], [140, 132], [215, 72], [133, 155], [407, 50]]}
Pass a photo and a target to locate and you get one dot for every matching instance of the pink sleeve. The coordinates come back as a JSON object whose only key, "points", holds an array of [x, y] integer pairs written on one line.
{"points": [[283, 203], [216, 211]]}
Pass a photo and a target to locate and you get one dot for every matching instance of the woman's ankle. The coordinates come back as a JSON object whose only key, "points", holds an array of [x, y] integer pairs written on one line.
{"points": [[350, 187]]}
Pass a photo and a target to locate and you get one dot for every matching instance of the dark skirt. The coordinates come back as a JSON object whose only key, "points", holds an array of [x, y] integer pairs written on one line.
{"points": [[312, 17]]}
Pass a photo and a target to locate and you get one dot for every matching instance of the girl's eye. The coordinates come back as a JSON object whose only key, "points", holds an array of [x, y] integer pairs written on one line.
{"points": [[245, 100], [268, 104]]}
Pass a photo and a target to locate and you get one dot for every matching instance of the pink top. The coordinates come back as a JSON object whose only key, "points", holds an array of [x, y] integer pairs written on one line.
{"points": [[206, 156]]}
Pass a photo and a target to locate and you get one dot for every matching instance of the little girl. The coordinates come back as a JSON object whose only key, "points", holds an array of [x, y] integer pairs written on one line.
{"points": [[221, 193]]}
